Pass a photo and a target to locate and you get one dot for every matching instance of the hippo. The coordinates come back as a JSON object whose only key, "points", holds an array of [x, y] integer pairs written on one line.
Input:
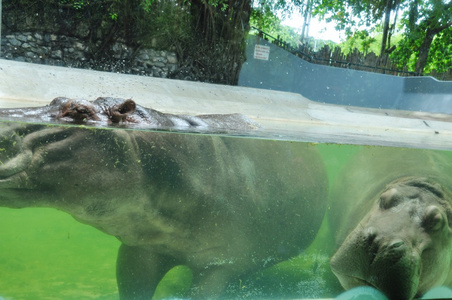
{"points": [[108, 111], [223, 206], [391, 216]]}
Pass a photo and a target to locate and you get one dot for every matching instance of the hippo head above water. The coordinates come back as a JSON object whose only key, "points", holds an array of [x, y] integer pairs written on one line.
{"points": [[111, 111], [403, 244], [222, 206]]}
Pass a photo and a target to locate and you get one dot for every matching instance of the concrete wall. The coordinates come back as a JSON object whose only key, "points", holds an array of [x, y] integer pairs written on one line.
{"points": [[286, 72]]}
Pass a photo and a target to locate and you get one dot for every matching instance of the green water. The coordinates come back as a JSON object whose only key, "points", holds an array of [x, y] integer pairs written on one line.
{"points": [[46, 254]]}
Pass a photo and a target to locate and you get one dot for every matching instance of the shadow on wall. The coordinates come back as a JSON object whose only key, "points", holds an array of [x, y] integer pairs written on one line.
{"points": [[271, 67]]}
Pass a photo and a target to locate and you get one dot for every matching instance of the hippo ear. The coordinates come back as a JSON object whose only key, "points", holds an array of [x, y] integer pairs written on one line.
{"points": [[434, 219], [127, 107], [390, 198]]}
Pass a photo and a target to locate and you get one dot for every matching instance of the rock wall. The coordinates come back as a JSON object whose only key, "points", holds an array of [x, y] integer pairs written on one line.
{"points": [[62, 50]]}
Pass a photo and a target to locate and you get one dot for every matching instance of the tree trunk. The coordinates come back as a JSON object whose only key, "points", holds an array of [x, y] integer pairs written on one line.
{"points": [[386, 27], [424, 49], [306, 21], [392, 27]]}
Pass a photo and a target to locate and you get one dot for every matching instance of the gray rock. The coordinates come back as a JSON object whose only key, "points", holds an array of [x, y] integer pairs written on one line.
{"points": [[143, 56], [158, 64], [51, 49], [79, 46], [82, 29], [21, 37], [30, 54], [172, 58], [14, 42], [57, 54]]}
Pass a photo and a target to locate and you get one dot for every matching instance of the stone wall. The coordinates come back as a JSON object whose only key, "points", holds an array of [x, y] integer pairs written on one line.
{"points": [[62, 50]]}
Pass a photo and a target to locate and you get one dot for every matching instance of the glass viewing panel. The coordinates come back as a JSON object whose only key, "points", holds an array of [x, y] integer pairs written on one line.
{"points": [[135, 197]]}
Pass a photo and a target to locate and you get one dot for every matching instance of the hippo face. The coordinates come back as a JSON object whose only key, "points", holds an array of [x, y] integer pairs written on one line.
{"points": [[403, 245], [118, 112]]}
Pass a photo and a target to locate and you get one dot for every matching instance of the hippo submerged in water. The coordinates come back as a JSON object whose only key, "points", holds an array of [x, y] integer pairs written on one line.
{"points": [[391, 213], [223, 206], [110, 111]]}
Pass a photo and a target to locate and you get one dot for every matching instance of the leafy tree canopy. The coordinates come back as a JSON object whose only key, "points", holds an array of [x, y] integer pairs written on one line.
{"points": [[202, 31], [424, 26]]}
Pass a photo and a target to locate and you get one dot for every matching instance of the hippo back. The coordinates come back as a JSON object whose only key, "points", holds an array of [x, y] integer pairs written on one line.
{"points": [[261, 195]]}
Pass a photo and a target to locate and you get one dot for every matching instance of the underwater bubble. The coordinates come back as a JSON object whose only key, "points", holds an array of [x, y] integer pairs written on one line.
{"points": [[312, 289]]}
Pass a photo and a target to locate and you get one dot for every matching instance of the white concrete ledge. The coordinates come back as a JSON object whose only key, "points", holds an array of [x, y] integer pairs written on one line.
{"points": [[282, 115]]}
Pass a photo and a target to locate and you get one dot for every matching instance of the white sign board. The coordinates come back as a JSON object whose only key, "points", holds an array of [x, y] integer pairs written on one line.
{"points": [[261, 52]]}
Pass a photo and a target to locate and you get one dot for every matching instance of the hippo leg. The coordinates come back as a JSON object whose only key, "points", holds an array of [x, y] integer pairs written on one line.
{"points": [[138, 272]]}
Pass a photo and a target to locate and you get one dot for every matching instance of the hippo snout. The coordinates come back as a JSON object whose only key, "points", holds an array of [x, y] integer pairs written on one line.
{"points": [[394, 265], [369, 257], [380, 247]]}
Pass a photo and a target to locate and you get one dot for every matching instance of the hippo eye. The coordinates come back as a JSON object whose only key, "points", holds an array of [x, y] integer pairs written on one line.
{"points": [[389, 198], [82, 109], [433, 219]]}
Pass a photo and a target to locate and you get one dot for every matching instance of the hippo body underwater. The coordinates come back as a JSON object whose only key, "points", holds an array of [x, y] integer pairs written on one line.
{"points": [[223, 206], [391, 215]]}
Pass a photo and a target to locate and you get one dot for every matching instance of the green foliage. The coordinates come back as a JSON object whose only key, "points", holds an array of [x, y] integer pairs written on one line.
{"points": [[440, 58], [267, 16], [179, 24], [405, 55], [362, 41], [166, 24], [114, 16], [427, 37], [282, 8], [421, 21], [268, 22]]}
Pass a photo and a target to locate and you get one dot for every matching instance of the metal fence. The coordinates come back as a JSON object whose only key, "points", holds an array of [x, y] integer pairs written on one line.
{"points": [[334, 57]]}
